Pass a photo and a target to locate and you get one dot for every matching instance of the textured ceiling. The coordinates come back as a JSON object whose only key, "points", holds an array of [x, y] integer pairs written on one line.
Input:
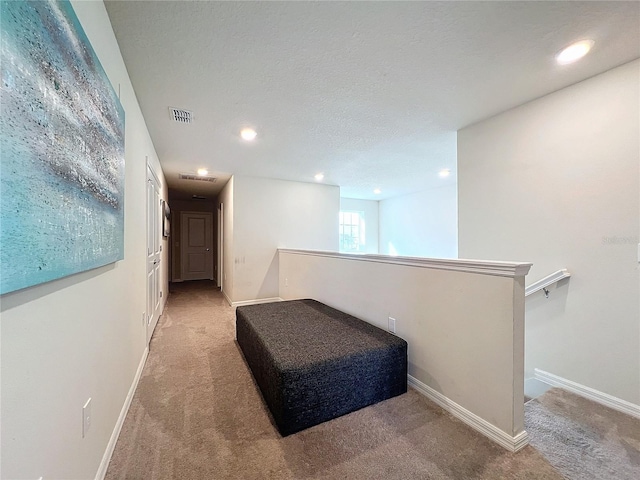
{"points": [[370, 93]]}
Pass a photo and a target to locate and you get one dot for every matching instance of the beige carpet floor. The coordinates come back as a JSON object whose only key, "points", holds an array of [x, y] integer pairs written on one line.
{"points": [[197, 414], [584, 440]]}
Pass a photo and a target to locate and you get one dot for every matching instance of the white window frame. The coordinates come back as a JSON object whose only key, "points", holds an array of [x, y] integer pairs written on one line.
{"points": [[354, 221]]}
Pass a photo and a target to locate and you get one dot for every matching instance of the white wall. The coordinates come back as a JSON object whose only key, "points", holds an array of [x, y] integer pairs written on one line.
{"points": [[556, 182], [463, 321], [371, 213], [423, 224], [226, 199], [268, 214], [81, 336]]}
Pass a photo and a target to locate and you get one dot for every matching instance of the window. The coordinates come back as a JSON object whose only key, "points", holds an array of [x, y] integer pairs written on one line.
{"points": [[352, 234]]}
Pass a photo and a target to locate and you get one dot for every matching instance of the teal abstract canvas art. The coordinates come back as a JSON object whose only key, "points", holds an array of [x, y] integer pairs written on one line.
{"points": [[61, 149]]}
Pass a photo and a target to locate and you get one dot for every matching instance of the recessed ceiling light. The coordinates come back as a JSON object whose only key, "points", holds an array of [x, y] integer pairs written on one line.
{"points": [[319, 177], [445, 172], [202, 172], [248, 134], [574, 52], [377, 191]]}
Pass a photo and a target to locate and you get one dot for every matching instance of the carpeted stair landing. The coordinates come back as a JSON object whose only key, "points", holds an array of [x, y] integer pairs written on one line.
{"points": [[584, 440]]}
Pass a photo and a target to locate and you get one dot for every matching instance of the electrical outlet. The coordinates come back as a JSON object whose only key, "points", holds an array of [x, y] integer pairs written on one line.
{"points": [[392, 325], [286, 282], [86, 418]]}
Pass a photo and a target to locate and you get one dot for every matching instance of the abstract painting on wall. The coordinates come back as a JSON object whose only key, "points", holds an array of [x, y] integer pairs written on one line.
{"points": [[62, 149]]}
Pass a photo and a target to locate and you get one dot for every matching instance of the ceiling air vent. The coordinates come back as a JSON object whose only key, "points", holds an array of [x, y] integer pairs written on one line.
{"points": [[180, 116], [201, 178]]}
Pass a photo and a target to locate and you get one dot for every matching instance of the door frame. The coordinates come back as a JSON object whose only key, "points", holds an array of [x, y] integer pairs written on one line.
{"points": [[183, 245], [153, 308], [220, 262]]}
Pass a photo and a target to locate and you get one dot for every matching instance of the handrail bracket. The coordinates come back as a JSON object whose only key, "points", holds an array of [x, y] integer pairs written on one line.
{"points": [[543, 283]]}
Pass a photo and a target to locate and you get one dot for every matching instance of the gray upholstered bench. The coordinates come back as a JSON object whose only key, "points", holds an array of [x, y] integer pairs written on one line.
{"points": [[313, 363]]}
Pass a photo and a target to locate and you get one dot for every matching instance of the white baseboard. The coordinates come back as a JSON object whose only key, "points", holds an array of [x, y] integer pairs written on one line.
{"points": [[256, 301], [226, 297], [513, 444], [106, 458], [589, 393]]}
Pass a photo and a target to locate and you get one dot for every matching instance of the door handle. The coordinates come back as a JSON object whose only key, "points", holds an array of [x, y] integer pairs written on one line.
{"points": [[207, 249]]}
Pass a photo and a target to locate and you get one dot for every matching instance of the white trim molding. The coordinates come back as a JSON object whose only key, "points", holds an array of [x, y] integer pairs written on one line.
{"points": [[106, 458], [256, 301], [483, 267], [589, 393], [226, 297], [513, 444]]}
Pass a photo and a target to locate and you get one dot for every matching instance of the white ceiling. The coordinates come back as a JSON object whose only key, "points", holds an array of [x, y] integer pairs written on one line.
{"points": [[370, 93]]}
